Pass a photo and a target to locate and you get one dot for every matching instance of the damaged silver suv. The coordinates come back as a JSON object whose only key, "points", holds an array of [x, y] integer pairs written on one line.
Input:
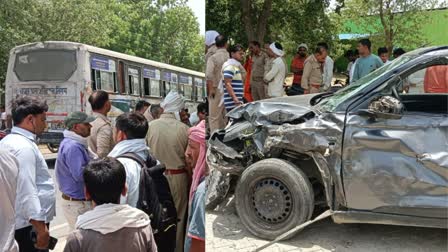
{"points": [[373, 152]]}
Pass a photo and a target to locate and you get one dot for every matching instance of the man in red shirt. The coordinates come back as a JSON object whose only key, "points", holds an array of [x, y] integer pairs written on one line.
{"points": [[297, 66], [248, 67], [436, 79]]}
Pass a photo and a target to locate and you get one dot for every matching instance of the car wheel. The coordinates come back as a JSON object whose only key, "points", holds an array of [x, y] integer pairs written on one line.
{"points": [[218, 186], [272, 197], [54, 148]]}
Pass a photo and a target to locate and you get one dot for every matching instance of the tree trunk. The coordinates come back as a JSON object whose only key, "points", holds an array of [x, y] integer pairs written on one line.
{"points": [[261, 25], [387, 26], [263, 21], [246, 16]]}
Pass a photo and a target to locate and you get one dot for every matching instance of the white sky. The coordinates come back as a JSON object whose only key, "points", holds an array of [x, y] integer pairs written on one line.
{"points": [[198, 7]]}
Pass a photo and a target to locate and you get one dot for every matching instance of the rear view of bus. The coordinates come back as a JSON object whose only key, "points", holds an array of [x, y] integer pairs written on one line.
{"points": [[52, 71]]}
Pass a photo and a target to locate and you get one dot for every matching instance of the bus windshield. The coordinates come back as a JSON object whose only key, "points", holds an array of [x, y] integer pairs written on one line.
{"points": [[45, 65]]}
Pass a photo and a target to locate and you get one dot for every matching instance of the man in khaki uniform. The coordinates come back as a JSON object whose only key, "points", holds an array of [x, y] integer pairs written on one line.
{"points": [[259, 61], [313, 70], [101, 139], [168, 139], [214, 77], [210, 46]]}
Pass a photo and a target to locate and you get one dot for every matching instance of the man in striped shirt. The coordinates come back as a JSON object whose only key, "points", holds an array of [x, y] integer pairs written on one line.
{"points": [[233, 80]]}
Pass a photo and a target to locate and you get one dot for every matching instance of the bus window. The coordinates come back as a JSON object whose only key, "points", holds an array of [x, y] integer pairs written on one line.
{"points": [[102, 80], [167, 88], [133, 81], [186, 86], [155, 88], [151, 82], [146, 87], [121, 78], [45, 65], [174, 82], [103, 74], [200, 91]]}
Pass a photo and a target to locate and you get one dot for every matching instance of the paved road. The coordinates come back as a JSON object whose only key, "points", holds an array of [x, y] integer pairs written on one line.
{"points": [[226, 233], [59, 227]]}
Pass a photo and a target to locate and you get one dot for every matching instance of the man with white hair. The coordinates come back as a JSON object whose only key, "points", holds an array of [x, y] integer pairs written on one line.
{"points": [[276, 75], [168, 139]]}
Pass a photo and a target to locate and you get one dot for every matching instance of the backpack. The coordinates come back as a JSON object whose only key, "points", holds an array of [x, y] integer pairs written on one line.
{"points": [[155, 199]]}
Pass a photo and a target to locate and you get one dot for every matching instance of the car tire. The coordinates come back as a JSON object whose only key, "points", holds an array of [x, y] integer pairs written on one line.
{"points": [[272, 197], [218, 186]]}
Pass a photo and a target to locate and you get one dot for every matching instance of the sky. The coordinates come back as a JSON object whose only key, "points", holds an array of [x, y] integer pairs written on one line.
{"points": [[198, 7]]}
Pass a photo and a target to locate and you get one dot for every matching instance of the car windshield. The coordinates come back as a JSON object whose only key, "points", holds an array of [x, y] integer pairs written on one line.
{"points": [[330, 103]]}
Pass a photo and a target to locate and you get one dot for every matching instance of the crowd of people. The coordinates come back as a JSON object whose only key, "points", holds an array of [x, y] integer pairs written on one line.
{"points": [[230, 83], [233, 78], [118, 180]]}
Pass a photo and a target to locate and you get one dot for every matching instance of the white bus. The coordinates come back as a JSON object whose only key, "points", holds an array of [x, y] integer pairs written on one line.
{"points": [[65, 74]]}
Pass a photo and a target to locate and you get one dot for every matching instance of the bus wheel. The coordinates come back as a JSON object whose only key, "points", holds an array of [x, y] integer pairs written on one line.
{"points": [[54, 148]]}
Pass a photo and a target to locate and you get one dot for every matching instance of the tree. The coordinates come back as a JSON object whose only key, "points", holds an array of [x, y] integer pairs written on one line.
{"points": [[390, 22], [162, 30]]}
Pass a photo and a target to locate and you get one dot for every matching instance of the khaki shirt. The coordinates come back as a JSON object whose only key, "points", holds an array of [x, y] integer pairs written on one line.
{"points": [[258, 66], [101, 139], [214, 66], [312, 72], [168, 139], [210, 51], [148, 115]]}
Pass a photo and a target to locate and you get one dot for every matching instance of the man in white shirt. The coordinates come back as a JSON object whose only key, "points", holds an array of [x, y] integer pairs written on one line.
{"points": [[9, 172], [276, 75], [3, 118], [327, 76], [129, 133], [35, 203]]}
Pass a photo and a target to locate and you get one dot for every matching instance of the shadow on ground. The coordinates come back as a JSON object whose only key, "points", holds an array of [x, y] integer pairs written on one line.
{"points": [[329, 236]]}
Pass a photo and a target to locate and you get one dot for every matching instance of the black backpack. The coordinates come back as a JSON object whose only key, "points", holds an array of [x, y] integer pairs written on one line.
{"points": [[155, 199]]}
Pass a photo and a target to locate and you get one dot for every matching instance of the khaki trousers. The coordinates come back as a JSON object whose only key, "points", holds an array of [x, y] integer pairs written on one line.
{"points": [[258, 90], [179, 189], [73, 209], [314, 90], [216, 113]]}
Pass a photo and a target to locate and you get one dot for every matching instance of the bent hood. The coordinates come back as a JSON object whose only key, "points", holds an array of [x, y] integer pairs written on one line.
{"points": [[274, 111]]}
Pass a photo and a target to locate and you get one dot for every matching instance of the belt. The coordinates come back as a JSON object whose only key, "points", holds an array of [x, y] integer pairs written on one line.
{"points": [[175, 171], [315, 85], [70, 198]]}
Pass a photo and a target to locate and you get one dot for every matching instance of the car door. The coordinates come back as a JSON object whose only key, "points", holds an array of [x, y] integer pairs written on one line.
{"points": [[400, 165]]}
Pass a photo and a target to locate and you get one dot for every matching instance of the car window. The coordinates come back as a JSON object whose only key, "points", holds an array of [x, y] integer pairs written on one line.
{"points": [[424, 89], [352, 90], [429, 80]]}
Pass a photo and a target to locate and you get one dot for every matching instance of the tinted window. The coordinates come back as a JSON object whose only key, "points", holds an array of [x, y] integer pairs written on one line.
{"points": [[45, 65]]}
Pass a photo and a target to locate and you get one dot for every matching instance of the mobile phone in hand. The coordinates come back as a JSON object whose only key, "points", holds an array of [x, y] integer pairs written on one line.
{"points": [[51, 243]]}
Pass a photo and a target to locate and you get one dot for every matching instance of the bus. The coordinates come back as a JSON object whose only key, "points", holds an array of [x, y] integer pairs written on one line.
{"points": [[66, 73]]}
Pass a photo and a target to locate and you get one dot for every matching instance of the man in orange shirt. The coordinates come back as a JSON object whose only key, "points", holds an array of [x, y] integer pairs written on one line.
{"points": [[248, 66], [297, 66], [436, 79]]}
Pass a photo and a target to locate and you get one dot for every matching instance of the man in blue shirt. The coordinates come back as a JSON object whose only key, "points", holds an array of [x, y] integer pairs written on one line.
{"points": [[35, 202], [367, 62], [73, 156]]}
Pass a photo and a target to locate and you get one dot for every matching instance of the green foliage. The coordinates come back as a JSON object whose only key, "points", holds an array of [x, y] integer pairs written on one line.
{"points": [[161, 30], [291, 22], [389, 23]]}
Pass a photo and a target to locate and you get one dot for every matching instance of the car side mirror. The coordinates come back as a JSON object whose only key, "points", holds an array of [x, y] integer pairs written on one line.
{"points": [[384, 107]]}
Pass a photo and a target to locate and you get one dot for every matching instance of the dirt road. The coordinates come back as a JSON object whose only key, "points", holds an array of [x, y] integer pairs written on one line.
{"points": [[226, 233]]}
